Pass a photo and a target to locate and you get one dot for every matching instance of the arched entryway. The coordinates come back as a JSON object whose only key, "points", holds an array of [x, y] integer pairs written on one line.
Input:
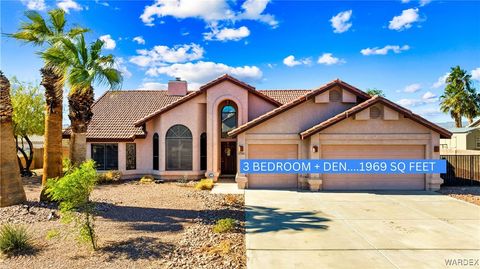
{"points": [[228, 117]]}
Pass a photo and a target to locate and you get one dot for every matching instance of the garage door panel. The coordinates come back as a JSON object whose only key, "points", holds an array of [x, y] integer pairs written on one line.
{"points": [[272, 181], [373, 181]]}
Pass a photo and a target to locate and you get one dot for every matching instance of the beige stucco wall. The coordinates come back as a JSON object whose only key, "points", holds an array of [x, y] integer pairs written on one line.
{"points": [[461, 141], [300, 118], [200, 115], [362, 131]]}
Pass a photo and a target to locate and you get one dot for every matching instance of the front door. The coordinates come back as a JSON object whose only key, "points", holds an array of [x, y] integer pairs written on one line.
{"points": [[229, 158]]}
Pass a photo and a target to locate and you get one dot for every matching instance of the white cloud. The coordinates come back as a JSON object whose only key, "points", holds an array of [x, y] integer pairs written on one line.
{"points": [[329, 59], [440, 81], [410, 102], [425, 2], [405, 1], [68, 5], [430, 112], [226, 34], [207, 10], [340, 22], [109, 43], [120, 65], [153, 86], [404, 20], [162, 55], [384, 50], [102, 3], [253, 10], [412, 88], [34, 4], [139, 40], [202, 72], [429, 97], [476, 73], [291, 62]]}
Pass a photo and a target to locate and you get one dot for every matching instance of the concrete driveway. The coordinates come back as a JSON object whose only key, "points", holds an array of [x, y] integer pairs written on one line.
{"points": [[288, 229]]}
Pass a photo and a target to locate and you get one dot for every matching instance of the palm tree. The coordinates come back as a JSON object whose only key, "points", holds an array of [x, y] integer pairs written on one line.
{"points": [[83, 67], [375, 91], [11, 187], [460, 98], [48, 33]]}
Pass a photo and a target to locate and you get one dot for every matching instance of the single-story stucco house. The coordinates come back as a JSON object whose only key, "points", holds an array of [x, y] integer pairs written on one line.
{"points": [[205, 133], [463, 139]]}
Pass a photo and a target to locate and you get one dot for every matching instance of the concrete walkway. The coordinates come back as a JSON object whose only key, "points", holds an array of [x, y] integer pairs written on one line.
{"points": [[287, 229], [226, 188]]}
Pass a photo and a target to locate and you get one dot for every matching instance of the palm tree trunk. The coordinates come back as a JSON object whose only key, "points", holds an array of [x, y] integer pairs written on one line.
{"points": [[80, 102], [458, 121], [52, 157], [11, 187]]}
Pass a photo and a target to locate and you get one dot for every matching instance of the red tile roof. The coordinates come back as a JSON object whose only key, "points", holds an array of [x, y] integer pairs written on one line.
{"points": [[444, 133], [116, 112], [284, 96], [204, 88]]}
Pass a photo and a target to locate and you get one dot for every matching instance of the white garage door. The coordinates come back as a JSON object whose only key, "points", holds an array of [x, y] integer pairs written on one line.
{"points": [[272, 181], [373, 181]]}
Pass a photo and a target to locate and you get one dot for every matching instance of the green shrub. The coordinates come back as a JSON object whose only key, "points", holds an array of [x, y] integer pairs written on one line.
{"points": [[14, 239], [204, 184], [224, 225], [109, 177], [67, 165], [52, 234], [73, 192]]}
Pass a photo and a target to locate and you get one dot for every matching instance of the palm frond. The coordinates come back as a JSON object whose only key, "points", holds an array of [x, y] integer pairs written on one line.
{"points": [[57, 19]]}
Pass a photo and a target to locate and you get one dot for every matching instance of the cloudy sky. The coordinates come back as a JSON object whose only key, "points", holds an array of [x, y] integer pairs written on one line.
{"points": [[403, 47]]}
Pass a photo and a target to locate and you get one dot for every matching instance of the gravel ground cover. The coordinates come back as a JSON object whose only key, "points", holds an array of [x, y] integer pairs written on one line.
{"points": [[152, 225], [470, 194]]}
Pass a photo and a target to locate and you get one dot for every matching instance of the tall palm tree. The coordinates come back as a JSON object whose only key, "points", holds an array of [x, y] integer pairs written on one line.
{"points": [[47, 33], [83, 66], [11, 187], [460, 98]]}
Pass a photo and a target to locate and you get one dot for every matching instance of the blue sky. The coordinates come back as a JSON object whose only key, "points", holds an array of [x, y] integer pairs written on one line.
{"points": [[402, 47]]}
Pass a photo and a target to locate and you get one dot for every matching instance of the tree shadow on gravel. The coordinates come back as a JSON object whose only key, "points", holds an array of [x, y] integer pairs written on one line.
{"points": [[267, 219], [137, 249], [163, 219]]}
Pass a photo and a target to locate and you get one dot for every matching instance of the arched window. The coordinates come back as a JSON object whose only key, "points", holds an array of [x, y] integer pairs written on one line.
{"points": [[229, 119], [203, 151], [156, 151], [178, 148]]}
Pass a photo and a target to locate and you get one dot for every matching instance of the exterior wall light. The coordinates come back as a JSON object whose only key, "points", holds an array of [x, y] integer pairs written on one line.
{"points": [[240, 148], [315, 149]]}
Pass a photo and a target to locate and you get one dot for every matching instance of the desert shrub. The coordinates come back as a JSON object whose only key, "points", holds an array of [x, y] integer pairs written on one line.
{"points": [[231, 200], [67, 165], [204, 184], [73, 192], [109, 177], [14, 239], [183, 180], [147, 179], [224, 225], [224, 247], [52, 234]]}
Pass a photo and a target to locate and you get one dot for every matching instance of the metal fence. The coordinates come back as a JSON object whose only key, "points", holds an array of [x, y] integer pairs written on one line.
{"points": [[462, 170]]}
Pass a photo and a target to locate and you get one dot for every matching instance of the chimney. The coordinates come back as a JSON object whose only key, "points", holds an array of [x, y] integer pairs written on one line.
{"points": [[177, 87]]}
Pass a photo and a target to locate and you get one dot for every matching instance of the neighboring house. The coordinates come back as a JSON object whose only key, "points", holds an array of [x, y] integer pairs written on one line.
{"points": [[205, 133], [463, 139]]}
